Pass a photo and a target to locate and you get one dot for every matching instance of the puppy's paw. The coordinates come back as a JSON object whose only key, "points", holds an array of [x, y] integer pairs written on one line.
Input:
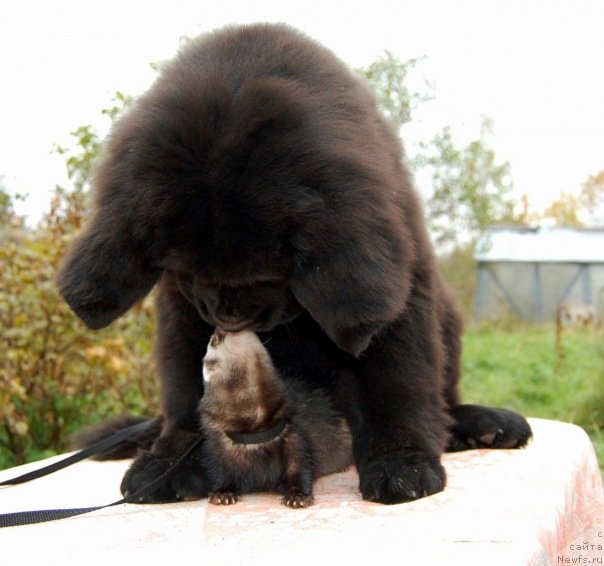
{"points": [[297, 500], [223, 498], [152, 478], [487, 427], [399, 477]]}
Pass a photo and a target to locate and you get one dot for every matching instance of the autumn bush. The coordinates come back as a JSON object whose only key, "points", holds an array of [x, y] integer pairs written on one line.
{"points": [[56, 375]]}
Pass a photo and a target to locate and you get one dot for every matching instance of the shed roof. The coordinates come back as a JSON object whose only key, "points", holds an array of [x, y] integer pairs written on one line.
{"points": [[552, 245]]}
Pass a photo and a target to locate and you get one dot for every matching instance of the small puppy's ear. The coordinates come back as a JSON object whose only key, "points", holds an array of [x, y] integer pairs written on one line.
{"points": [[355, 289], [104, 275]]}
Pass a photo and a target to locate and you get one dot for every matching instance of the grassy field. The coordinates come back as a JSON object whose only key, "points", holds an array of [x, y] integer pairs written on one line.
{"points": [[531, 370]]}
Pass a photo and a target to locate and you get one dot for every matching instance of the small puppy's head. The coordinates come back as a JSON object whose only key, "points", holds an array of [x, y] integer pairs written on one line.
{"points": [[242, 388], [235, 357]]}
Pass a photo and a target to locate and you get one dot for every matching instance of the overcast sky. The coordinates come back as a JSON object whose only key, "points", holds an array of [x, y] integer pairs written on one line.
{"points": [[535, 66]]}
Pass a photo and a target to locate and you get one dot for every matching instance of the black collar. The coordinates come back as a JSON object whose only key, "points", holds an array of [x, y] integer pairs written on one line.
{"points": [[259, 437]]}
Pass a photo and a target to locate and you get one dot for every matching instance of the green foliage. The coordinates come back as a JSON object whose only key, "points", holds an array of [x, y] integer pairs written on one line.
{"points": [[583, 209], [521, 367], [8, 220], [121, 102], [591, 200], [55, 375], [470, 189], [88, 145], [5, 205], [389, 77], [564, 211]]}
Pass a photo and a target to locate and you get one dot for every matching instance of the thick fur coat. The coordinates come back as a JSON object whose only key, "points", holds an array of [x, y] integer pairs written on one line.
{"points": [[257, 185]]}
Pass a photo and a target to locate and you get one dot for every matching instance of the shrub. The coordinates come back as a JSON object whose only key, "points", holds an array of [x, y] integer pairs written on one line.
{"points": [[56, 375]]}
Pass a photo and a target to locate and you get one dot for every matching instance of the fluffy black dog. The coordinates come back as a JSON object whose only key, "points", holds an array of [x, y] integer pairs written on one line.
{"points": [[258, 186]]}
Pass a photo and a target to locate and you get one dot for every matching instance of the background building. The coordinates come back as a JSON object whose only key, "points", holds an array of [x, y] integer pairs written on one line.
{"points": [[530, 273]]}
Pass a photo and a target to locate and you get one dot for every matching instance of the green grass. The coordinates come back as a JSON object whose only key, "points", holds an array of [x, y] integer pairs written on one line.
{"points": [[521, 367]]}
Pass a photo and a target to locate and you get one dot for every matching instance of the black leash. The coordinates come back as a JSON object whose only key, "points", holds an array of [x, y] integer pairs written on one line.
{"points": [[259, 437], [93, 450], [43, 515]]}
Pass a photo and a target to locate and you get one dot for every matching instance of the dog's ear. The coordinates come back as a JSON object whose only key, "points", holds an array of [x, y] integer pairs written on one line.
{"points": [[104, 274], [357, 285]]}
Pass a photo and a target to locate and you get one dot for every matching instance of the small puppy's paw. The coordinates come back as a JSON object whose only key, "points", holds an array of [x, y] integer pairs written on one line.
{"points": [[297, 500], [400, 477], [487, 427], [223, 498]]}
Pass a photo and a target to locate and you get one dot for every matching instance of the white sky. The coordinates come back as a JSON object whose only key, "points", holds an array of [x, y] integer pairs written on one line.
{"points": [[535, 66]]}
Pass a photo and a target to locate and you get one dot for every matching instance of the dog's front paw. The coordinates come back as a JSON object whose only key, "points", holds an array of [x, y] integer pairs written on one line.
{"points": [[399, 477], [154, 477], [487, 427]]}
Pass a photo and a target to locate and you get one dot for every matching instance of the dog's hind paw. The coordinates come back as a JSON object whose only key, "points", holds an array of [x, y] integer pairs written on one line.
{"points": [[487, 427]]}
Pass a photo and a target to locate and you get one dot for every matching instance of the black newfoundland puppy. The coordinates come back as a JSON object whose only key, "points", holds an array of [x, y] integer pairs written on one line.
{"points": [[257, 185]]}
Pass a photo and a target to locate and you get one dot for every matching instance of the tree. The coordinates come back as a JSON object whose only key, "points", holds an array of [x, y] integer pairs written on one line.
{"points": [[389, 77], [591, 200], [5, 203], [9, 220], [470, 189], [564, 211], [81, 158], [585, 208]]}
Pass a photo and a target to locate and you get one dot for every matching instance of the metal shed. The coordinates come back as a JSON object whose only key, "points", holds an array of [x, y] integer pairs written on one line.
{"points": [[530, 272]]}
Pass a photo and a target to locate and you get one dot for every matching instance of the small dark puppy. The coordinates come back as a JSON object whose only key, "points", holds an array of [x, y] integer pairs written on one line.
{"points": [[264, 433]]}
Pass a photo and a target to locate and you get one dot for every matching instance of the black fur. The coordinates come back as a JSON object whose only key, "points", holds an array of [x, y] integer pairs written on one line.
{"points": [[258, 186]]}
